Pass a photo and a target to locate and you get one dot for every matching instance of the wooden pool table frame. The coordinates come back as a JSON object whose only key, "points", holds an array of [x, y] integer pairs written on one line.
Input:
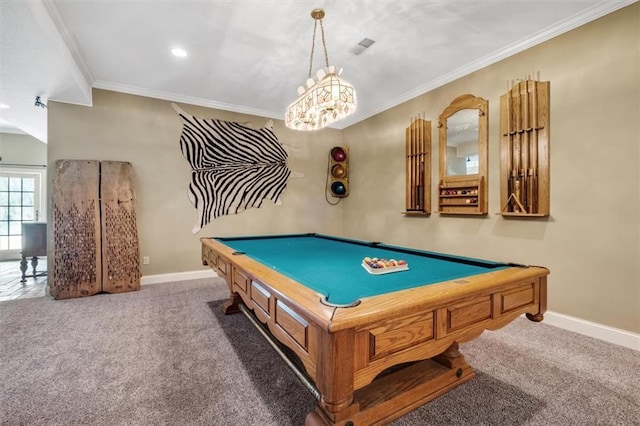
{"points": [[344, 349]]}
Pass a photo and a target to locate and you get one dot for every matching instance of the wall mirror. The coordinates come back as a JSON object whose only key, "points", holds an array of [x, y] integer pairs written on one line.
{"points": [[462, 143], [463, 156]]}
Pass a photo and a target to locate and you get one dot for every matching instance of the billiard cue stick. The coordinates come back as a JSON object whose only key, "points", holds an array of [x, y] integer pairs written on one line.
{"points": [[519, 129], [510, 148], [270, 339], [518, 146], [413, 162], [410, 163], [508, 108], [534, 148], [420, 135], [423, 153], [513, 144], [414, 137], [516, 179], [423, 158], [421, 186], [420, 164], [407, 195], [416, 160], [529, 130], [408, 171], [523, 148], [525, 152]]}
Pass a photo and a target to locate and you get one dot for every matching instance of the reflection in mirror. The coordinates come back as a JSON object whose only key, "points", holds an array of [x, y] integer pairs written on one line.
{"points": [[462, 143]]}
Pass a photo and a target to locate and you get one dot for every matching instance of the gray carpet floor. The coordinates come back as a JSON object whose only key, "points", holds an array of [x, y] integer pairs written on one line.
{"points": [[166, 355]]}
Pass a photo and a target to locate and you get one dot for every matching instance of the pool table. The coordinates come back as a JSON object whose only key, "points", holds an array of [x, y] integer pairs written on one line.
{"points": [[375, 346]]}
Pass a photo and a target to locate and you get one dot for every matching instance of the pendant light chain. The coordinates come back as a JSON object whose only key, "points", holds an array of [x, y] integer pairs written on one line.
{"points": [[324, 44], [313, 46]]}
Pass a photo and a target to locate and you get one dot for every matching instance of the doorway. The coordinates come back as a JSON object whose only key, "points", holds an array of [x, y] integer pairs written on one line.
{"points": [[21, 200]]}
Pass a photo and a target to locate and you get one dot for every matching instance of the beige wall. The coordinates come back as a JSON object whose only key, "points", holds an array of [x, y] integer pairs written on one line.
{"points": [[146, 132], [25, 154], [591, 242], [22, 150]]}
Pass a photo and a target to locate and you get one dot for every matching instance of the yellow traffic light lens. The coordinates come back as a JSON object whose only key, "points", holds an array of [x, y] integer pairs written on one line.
{"points": [[338, 171]]}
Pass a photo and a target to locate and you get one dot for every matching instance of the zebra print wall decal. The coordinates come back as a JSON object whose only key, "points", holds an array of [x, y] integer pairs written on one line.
{"points": [[234, 167]]}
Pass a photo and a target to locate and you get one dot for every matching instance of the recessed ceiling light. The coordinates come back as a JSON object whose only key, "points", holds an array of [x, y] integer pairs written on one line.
{"points": [[180, 53], [4, 106]]}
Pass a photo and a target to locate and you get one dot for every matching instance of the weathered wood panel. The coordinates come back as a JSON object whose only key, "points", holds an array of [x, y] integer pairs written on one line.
{"points": [[120, 246], [75, 263]]}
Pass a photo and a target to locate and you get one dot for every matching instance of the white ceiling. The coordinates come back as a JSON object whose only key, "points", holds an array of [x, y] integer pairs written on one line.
{"points": [[250, 56]]}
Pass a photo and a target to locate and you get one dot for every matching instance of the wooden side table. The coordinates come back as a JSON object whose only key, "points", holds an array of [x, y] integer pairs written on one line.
{"points": [[34, 244]]}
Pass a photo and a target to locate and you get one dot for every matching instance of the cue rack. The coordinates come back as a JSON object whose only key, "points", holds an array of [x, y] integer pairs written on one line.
{"points": [[524, 148], [418, 167]]}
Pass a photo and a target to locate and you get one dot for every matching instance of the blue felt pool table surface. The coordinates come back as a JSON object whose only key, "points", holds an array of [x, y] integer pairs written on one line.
{"points": [[332, 266]]}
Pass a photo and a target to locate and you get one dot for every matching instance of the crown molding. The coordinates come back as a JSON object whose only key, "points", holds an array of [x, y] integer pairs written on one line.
{"points": [[168, 96]]}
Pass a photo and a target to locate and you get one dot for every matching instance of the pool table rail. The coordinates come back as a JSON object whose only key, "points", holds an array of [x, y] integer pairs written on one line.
{"points": [[517, 287]]}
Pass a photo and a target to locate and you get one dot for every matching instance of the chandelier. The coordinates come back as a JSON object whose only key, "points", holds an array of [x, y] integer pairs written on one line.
{"points": [[324, 101]]}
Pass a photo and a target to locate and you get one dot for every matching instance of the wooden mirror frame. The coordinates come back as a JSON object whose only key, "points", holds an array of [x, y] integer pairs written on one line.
{"points": [[464, 194]]}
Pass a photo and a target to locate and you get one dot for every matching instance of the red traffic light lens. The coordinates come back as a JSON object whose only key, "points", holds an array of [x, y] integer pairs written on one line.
{"points": [[338, 154]]}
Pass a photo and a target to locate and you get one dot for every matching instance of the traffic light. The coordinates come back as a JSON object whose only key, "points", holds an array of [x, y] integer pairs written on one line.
{"points": [[339, 171]]}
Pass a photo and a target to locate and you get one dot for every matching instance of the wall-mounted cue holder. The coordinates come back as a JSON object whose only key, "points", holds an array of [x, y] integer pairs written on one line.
{"points": [[524, 149], [418, 167]]}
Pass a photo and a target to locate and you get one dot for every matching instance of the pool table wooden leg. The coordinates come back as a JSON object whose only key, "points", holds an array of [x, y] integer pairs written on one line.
{"points": [[335, 373], [396, 394], [231, 305], [542, 297], [451, 357], [536, 317]]}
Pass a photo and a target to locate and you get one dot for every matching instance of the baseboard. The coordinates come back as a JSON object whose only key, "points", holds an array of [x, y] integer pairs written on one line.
{"points": [[177, 276], [566, 322], [593, 329]]}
